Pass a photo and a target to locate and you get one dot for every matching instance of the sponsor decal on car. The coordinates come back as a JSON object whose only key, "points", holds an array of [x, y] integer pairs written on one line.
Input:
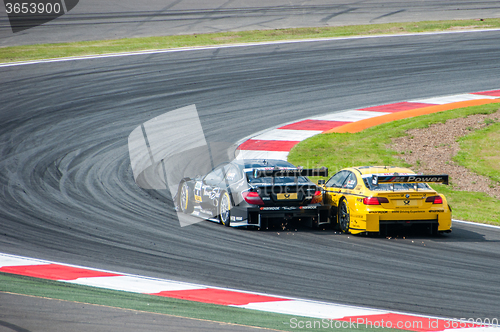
{"points": [[408, 211], [211, 193], [307, 207]]}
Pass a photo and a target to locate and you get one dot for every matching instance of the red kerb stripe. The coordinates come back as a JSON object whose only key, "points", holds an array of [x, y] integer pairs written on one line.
{"points": [[322, 125], [397, 107], [264, 145], [493, 93], [55, 272], [218, 296]]}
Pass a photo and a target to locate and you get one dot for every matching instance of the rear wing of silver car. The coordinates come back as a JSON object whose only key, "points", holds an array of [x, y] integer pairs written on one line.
{"points": [[260, 173], [412, 178]]}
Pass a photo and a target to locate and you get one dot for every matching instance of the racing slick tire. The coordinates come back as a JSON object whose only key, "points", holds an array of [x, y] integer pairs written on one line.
{"points": [[225, 209], [185, 199], [343, 216]]}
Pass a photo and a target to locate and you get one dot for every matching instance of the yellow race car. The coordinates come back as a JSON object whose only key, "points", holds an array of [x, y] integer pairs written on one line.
{"points": [[373, 198]]}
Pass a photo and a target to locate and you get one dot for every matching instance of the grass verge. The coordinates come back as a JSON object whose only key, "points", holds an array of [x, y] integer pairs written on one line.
{"points": [[340, 150], [480, 151], [149, 303], [44, 51]]}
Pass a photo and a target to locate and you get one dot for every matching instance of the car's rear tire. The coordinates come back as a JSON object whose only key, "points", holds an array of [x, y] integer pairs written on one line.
{"points": [[185, 199], [225, 209], [344, 218]]}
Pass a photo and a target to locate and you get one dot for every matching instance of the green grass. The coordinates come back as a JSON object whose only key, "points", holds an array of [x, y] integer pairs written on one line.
{"points": [[471, 206], [149, 303], [480, 151], [369, 147], [44, 51]]}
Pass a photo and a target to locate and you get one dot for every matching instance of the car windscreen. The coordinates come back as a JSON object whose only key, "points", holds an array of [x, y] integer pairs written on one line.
{"points": [[394, 186], [275, 180]]}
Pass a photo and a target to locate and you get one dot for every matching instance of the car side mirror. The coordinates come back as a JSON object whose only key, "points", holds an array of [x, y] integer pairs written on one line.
{"points": [[321, 182]]}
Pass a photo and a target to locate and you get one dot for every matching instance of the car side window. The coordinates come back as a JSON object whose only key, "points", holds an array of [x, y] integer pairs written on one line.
{"points": [[337, 180], [214, 177], [350, 182], [232, 174]]}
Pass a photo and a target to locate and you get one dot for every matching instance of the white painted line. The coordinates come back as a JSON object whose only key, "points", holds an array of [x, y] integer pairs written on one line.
{"points": [[475, 224], [312, 309], [251, 154], [452, 99], [349, 116], [134, 284], [147, 52], [286, 135]]}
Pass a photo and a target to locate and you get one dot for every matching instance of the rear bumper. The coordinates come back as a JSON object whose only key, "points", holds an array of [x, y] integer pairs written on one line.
{"points": [[372, 222], [258, 216]]}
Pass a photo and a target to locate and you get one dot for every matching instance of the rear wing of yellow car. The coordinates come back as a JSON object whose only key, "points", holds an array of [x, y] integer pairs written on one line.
{"points": [[260, 173], [412, 178]]}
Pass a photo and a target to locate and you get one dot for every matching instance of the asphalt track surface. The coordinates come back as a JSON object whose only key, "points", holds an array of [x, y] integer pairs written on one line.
{"points": [[95, 19], [68, 195]]}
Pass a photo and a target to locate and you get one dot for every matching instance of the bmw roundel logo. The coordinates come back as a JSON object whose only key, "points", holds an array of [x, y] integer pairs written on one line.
{"points": [[407, 195]]}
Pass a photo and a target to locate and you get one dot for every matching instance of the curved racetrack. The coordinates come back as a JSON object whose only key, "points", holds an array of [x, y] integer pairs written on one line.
{"points": [[67, 192]]}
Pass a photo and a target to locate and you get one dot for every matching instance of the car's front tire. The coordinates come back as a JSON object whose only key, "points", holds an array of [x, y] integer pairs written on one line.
{"points": [[185, 200], [225, 209], [344, 218]]}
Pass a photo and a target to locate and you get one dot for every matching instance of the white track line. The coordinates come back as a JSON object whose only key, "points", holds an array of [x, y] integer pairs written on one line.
{"points": [[475, 224], [187, 49]]}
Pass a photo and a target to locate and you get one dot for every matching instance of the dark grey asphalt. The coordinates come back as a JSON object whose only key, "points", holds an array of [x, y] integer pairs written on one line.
{"points": [[67, 192], [94, 19], [22, 313]]}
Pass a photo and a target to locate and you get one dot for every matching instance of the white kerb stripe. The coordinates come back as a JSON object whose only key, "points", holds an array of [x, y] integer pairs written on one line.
{"points": [[135, 284], [17, 261], [452, 99], [312, 309], [286, 135], [350, 116], [254, 154]]}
